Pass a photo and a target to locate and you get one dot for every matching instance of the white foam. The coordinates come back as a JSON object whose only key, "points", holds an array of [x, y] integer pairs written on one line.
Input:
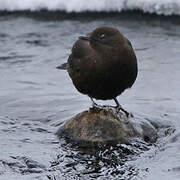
{"points": [[165, 7]]}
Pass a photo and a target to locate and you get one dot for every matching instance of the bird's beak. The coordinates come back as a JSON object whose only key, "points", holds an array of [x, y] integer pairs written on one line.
{"points": [[87, 38]]}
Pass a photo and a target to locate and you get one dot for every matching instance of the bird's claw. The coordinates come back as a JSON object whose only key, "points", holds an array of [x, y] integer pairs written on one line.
{"points": [[119, 108]]}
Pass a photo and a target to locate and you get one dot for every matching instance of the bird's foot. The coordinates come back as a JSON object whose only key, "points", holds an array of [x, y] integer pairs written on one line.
{"points": [[97, 106], [109, 106], [119, 108]]}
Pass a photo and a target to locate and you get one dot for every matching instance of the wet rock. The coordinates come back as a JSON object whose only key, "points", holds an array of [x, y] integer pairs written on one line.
{"points": [[106, 126]]}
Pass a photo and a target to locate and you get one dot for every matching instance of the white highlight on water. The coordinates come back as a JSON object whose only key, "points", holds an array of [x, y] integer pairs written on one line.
{"points": [[165, 7]]}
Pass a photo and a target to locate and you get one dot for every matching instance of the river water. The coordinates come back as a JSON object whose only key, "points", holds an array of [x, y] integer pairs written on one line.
{"points": [[36, 98]]}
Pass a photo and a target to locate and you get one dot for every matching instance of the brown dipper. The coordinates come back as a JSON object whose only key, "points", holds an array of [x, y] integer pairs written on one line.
{"points": [[103, 64]]}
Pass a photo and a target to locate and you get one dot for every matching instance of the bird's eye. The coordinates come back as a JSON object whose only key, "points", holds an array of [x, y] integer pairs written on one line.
{"points": [[102, 36]]}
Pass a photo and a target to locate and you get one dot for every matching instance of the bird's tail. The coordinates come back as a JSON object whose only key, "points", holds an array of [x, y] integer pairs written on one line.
{"points": [[62, 66]]}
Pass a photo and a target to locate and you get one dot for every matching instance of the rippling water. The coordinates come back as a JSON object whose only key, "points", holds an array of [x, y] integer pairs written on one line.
{"points": [[36, 98]]}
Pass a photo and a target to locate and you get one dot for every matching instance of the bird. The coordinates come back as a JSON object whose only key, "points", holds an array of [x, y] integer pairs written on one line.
{"points": [[102, 65]]}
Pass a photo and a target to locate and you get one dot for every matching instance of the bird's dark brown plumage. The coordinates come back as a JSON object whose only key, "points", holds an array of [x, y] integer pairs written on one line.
{"points": [[103, 64]]}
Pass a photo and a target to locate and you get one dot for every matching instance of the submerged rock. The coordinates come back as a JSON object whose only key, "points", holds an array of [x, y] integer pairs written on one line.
{"points": [[105, 125]]}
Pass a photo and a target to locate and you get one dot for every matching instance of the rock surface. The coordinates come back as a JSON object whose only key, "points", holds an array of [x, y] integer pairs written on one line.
{"points": [[106, 126]]}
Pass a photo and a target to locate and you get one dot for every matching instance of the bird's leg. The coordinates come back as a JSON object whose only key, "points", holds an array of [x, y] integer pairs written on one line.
{"points": [[119, 107], [95, 105]]}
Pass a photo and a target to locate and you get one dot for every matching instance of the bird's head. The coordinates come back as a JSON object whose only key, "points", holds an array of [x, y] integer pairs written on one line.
{"points": [[104, 36]]}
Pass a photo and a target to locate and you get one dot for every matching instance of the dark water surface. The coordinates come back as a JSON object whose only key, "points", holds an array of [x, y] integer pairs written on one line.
{"points": [[36, 98]]}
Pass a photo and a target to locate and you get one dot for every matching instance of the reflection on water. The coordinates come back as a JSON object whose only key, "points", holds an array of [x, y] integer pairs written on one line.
{"points": [[36, 98]]}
